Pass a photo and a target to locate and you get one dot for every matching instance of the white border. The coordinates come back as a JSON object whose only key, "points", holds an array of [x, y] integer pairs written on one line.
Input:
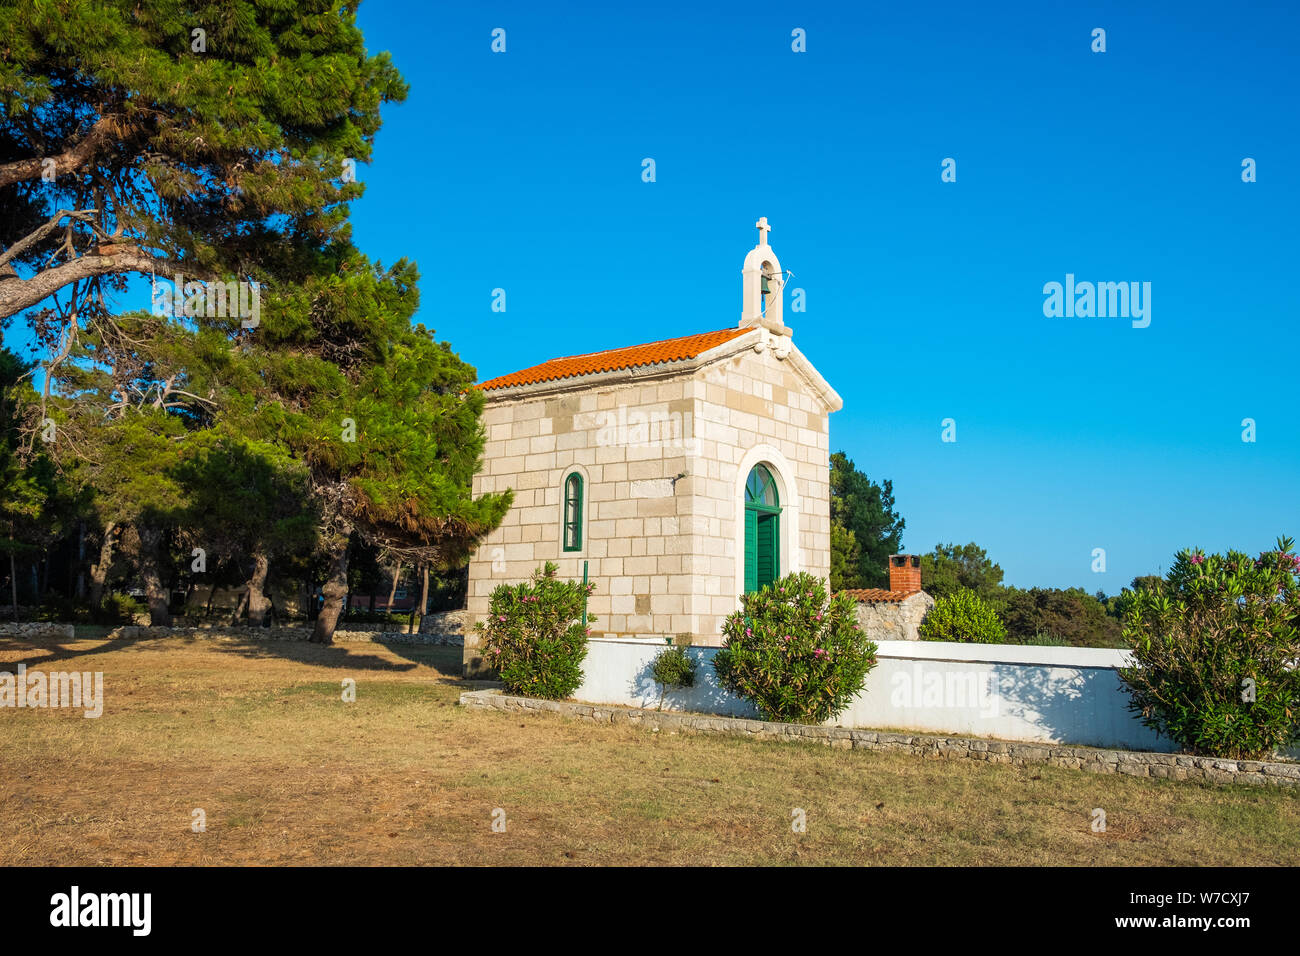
{"points": [[565, 472], [783, 473]]}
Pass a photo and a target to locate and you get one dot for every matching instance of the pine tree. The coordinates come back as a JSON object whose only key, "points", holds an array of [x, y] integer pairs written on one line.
{"points": [[133, 391], [384, 418], [210, 139], [866, 509], [246, 506]]}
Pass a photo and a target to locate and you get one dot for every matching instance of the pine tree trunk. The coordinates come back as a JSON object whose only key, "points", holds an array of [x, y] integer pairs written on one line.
{"points": [[80, 592], [239, 607], [13, 584], [150, 539], [99, 571], [417, 622], [334, 591], [392, 592], [257, 602]]}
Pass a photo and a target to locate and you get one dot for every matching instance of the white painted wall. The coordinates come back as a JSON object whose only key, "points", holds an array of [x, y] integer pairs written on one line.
{"points": [[1069, 695]]}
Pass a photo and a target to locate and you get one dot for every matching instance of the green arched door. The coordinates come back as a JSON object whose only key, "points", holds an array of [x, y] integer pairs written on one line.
{"points": [[762, 530]]}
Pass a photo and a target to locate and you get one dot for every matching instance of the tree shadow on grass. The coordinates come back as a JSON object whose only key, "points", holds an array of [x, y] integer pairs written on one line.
{"points": [[47, 653]]}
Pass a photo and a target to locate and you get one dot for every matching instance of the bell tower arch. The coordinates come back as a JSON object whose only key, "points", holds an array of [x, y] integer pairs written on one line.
{"points": [[763, 286]]}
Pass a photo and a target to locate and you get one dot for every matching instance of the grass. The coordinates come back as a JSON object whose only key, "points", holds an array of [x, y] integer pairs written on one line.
{"points": [[259, 738]]}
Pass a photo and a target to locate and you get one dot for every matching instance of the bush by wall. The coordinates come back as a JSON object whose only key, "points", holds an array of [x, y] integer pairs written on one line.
{"points": [[1217, 644], [672, 667], [533, 636], [792, 653], [962, 616]]}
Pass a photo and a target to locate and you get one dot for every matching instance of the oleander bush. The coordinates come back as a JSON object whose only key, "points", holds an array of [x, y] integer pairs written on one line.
{"points": [[798, 656], [1216, 645], [534, 637]]}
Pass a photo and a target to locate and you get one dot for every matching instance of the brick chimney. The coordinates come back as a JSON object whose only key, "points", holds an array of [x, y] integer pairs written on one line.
{"points": [[905, 572]]}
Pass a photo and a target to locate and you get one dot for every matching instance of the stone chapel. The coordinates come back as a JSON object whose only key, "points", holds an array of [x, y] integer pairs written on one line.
{"points": [[675, 475]]}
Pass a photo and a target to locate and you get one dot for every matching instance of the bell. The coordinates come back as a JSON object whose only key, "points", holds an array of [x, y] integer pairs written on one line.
{"points": [[763, 288]]}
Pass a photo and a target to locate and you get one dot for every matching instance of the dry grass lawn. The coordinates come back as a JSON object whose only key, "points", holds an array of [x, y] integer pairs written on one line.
{"points": [[259, 738]]}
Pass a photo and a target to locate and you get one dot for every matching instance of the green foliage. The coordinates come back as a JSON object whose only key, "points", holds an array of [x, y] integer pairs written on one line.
{"points": [[25, 477], [1073, 617], [951, 567], [792, 653], [119, 609], [865, 529], [401, 475], [846, 557], [962, 616], [533, 636], [1039, 639], [227, 160], [673, 667], [1118, 606], [242, 496], [1215, 647]]}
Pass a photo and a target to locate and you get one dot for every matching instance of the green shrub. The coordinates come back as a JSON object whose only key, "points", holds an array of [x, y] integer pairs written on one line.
{"points": [[673, 667], [59, 609], [796, 656], [119, 609], [1039, 639], [962, 616], [1216, 646], [533, 636], [1073, 615]]}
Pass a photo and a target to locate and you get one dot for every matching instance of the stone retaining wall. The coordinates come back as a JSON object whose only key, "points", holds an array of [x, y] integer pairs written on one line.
{"points": [[135, 633], [442, 629], [37, 630], [1127, 762]]}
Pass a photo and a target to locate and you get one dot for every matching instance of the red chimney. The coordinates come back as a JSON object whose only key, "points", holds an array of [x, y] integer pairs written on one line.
{"points": [[905, 572]]}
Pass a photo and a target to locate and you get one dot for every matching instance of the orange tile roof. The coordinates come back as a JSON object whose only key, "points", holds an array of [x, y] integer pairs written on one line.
{"points": [[611, 360], [876, 595]]}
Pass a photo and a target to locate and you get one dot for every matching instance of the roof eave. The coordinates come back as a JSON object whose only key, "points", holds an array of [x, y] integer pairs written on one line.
{"points": [[621, 375]]}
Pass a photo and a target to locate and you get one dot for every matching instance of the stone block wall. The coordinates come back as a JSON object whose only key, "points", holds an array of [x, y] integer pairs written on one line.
{"points": [[1163, 766], [894, 620], [664, 459]]}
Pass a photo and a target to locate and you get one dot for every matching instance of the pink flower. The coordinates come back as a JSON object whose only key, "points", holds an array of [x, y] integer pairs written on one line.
{"points": [[819, 615], [787, 638], [501, 617], [819, 653], [1197, 559], [749, 632]]}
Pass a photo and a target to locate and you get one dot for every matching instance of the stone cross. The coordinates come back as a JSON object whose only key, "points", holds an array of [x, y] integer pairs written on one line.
{"points": [[763, 230]]}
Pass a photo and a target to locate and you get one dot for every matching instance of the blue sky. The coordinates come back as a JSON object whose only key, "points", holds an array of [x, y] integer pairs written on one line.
{"points": [[522, 170]]}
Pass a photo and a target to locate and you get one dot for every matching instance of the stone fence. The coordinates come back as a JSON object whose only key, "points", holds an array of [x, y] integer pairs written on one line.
{"points": [[445, 628], [1135, 764], [37, 631]]}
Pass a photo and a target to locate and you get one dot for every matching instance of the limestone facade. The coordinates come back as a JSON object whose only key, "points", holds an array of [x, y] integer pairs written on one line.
{"points": [[664, 437]]}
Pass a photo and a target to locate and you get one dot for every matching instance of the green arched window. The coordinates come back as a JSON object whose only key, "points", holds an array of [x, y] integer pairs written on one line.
{"points": [[573, 512], [762, 529]]}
